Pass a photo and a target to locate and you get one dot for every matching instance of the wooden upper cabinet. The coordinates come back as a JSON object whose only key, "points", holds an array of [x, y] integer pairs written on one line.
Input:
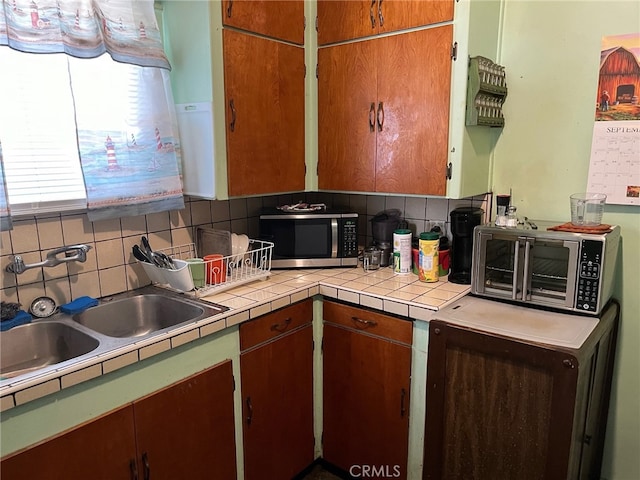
{"points": [[264, 100], [341, 20], [346, 117], [283, 20], [383, 113], [414, 73]]}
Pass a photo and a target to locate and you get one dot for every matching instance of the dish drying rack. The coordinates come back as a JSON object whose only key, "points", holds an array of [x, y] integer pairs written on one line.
{"points": [[254, 264]]}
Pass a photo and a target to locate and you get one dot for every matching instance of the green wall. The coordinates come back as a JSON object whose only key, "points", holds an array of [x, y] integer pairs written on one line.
{"points": [[551, 50]]}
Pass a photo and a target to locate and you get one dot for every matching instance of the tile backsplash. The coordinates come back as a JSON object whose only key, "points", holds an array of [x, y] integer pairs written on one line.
{"points": [[111, 268]]}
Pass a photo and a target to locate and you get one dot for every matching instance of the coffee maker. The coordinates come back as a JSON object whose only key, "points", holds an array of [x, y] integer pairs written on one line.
{"points": [[383, 225], [463, 221]]}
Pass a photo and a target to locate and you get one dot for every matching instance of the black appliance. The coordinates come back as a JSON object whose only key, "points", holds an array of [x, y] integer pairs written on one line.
{"points": [[463, 221], [322, 238]]}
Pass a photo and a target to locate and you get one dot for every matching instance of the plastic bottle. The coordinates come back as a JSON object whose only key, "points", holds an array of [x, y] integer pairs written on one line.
{"points": [[428, 261], [402, 251]]}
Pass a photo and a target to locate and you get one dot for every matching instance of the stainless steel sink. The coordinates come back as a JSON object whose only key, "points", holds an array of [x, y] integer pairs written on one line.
{"points": [[140, 315], [37, 345]]}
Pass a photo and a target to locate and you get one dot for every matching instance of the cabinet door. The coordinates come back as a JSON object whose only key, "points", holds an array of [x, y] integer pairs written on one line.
{"points": [[264, 94], [103, 449], [346, 117], [403, 14], [414, 75], [187, 429], [497, 408], [273, 18], [340, 20], [366, 401], [277, 391]]}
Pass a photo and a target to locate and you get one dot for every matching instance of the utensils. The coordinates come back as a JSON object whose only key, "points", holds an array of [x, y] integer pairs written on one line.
{"points": [[140, 255], [144, 253]]}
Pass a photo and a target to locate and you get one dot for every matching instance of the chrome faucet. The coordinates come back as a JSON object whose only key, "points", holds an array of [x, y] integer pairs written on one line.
{"points": [[73, 253]]}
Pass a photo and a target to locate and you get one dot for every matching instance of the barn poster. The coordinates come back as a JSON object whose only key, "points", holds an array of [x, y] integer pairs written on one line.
{"points": [[614, 168]]}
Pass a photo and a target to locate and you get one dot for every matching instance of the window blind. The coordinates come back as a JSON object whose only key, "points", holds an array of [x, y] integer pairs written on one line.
{"points": [[37, 130]]}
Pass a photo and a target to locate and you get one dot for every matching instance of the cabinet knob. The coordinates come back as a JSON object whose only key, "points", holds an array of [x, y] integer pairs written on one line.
{"points": [[372, 14], [364, 323], [372, 117], [380, 116], [436, 331], [380, 16], [229, 7], [249, 411], [281, 327], [134, 470], [232, 124], [146, 468]]}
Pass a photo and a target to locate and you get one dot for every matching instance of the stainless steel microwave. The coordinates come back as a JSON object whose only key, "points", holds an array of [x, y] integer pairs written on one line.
{"points": [[540, 267], [322, 238]]}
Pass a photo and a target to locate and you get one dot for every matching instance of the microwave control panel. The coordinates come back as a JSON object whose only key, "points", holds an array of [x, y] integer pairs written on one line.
{"points": [[349, 237], [589, 275]]}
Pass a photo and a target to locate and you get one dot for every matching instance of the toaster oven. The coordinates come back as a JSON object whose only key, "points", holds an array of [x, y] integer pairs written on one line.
{"points": [[540, 267]]}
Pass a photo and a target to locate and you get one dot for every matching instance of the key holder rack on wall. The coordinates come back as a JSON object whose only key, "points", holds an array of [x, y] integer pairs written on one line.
{"points": [[486, 92]]}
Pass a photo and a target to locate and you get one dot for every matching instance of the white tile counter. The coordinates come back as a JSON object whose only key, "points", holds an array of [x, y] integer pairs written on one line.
{"points": [[401, 295]]}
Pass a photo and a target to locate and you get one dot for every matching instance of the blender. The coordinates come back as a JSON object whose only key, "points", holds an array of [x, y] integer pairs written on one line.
{"points": [[383, 225]]}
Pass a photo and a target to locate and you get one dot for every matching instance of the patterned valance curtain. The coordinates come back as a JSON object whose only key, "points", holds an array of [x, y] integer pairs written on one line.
{"points": [[127, 29], [127, 134]]}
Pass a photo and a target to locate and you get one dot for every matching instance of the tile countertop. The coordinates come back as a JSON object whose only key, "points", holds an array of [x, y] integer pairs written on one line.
{"points": [[401, 295]]}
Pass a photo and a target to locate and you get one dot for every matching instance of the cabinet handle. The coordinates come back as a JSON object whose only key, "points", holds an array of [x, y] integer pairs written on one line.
{"points": [[134, 470], [372, 117], [229, 8], [145, 463], [403, 394], [232, 124], [380, 116], [372, 14], [249, 411], [380, 16], [364, 323], [281, 327]]}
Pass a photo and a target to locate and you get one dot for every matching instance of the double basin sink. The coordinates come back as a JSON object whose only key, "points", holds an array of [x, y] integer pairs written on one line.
{"points": [[116, 321]]}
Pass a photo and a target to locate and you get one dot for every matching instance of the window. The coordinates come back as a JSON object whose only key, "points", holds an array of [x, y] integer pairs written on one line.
{"points": [[61, 114], [86, 111]]}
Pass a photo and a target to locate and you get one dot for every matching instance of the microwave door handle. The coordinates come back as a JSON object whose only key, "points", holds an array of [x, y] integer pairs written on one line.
{"points": [[334, 238], [527, 273], [516, 265]]}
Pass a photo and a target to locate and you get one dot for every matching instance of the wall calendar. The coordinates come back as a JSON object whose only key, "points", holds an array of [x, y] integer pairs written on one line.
{"points": [[614, 168]]}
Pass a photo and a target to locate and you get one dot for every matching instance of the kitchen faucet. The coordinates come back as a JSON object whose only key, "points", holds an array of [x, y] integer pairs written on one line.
{"points": [[73, 253]]}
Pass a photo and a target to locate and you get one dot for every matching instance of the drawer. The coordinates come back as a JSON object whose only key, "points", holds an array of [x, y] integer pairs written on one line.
{"points": [[277, 323], [367, 321]]}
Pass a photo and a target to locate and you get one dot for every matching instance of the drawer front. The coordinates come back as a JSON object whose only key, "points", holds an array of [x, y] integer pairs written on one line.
{"points": [[367, 321], [275, 324]]}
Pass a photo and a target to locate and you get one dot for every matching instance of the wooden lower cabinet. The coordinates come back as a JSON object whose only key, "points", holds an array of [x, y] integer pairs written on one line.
{"points": [[366, 376], [276, 366], [498, 408], [183, 431]]}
